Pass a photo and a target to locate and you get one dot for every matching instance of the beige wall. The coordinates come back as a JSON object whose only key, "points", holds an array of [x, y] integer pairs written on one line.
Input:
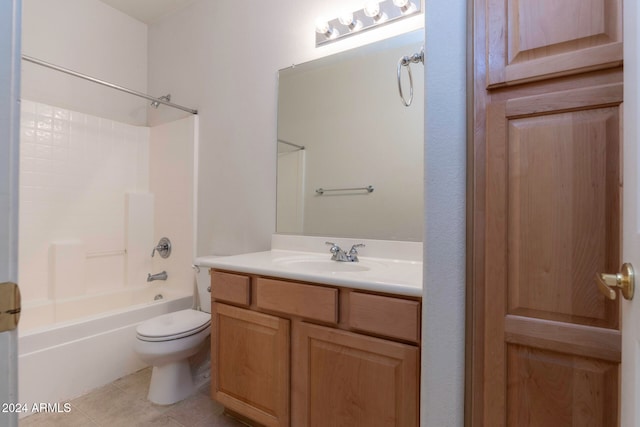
{"points": [[234, 87], [92, 38]]}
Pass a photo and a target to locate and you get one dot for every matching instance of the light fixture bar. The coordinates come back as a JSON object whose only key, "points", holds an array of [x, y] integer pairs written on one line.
{"points": [[335, 29]]}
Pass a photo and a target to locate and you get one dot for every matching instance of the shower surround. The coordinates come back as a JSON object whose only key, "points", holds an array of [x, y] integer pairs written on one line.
{"points": [[95, 197], [86, 214]]}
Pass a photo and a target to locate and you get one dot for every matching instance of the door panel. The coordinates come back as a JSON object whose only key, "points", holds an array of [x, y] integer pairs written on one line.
{"points": [[553, 389], [250, 362], [538, 39], [562, 184], [551, 341], [346, 379]]}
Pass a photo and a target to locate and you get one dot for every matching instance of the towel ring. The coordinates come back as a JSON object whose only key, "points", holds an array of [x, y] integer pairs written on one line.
{"points": [[406, 61]]}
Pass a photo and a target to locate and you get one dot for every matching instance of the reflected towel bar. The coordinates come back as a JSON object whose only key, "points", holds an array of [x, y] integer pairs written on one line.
{"points": [[321, 191], [299, 147]]}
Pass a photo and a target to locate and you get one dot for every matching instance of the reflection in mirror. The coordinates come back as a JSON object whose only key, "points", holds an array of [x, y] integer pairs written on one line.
{"points": [[342, 125]]}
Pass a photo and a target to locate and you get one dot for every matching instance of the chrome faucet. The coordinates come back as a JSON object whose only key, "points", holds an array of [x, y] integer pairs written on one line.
{"points": [[340, 255], [158, 276]]}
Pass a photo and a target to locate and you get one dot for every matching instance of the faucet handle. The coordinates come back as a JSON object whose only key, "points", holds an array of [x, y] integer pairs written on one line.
{"points": [[334, 248], [337, 253], [354, 249], [163, 248]]}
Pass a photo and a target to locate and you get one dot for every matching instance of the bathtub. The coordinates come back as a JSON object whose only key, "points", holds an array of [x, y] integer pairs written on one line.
{"points": [[89, 344]]}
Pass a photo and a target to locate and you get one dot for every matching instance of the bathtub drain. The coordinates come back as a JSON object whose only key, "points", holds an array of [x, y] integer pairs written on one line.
{"points": [[157, 297]]}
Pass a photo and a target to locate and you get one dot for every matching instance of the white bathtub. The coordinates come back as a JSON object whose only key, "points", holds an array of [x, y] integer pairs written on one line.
{"points": [[65, 359]]}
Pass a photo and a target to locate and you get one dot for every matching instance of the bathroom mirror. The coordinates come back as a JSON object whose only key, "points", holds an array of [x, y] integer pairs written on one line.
{"points": [[358, 138]]}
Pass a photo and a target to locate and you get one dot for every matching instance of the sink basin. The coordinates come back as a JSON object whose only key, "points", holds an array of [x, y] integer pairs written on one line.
{"points": [[318, 265]]}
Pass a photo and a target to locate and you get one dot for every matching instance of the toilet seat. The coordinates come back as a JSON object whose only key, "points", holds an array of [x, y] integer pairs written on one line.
{"points": [[173, 326]]}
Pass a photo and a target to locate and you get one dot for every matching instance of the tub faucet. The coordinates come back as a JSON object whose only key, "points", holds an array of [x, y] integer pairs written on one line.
{"points": [[158, 276]]}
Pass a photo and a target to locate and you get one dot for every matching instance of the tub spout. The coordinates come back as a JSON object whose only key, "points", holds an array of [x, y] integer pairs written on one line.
{"points": [[158, 276]]}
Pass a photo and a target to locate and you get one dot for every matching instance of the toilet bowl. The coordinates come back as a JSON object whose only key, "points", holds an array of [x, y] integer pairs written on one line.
{"points": [[167, 342]]}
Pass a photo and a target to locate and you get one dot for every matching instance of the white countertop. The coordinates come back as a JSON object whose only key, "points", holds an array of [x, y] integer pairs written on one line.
{"points": [[394, 276]]}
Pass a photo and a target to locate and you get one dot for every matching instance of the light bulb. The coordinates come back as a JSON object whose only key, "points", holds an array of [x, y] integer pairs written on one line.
{"points": [[406, 6], [347, 20], [372, 10], [322, 26]]}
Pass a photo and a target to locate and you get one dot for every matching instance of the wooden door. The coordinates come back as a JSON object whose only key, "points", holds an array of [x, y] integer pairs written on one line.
{"points": [[346, 379], [250, 364], [552, 341], [545, 345]]}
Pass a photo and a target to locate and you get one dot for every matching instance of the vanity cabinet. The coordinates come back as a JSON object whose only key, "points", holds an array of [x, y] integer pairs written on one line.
{"points": [[287, 353]]}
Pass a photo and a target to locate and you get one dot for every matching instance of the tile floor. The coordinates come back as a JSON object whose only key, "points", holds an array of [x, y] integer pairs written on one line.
{"points": [[124, 403]]}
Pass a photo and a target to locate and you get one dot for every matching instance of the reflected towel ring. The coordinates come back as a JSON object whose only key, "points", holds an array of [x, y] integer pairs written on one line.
{"points": [[406, 61]]}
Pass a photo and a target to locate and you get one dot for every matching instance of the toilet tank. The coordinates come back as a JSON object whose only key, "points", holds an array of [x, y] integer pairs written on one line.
{"points": [[204, 285]]}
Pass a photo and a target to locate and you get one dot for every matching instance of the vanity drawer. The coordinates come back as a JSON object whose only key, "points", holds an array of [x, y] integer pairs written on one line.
{"points": [[308, 301], [388, 316], [229, 287]]}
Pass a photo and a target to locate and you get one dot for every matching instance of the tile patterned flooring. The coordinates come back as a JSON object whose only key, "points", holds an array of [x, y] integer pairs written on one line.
{"points": [[124, 403]]}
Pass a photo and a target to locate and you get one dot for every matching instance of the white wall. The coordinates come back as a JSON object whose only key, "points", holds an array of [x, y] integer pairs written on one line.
{"points": [[222, 58], [9, 140], [92, 38], [630, 364], [443, 302]]}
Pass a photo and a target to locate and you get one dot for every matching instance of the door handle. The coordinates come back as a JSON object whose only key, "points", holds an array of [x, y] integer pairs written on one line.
{"points": [[624, 280]]}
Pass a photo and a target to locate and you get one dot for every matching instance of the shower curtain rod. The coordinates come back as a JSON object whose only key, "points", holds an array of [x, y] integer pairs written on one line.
{"points": [[104, 83]]}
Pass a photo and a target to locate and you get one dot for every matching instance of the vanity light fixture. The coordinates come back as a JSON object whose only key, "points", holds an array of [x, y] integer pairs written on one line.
{"points": [[373, 14]]}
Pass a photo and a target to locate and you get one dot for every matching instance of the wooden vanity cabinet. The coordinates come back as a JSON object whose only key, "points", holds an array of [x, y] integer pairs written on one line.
{"points": [[308, 355]]}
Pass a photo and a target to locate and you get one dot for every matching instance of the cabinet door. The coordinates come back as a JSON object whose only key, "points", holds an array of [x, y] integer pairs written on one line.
{"points": [[250, 364], [538, 39], [346, 379]]}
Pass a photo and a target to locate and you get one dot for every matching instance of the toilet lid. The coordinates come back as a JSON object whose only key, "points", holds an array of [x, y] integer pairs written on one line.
{"points": [[174, 325]]}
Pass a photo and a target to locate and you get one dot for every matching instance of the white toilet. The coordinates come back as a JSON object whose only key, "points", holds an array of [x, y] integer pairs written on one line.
{"points": [[166, 342]]}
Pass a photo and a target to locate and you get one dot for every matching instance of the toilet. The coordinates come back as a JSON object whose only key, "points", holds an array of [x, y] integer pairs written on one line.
{"points": [[166, 342]]}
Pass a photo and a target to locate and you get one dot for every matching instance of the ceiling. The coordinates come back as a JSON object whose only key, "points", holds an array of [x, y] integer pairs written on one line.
{"points": [[147, 11]]}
